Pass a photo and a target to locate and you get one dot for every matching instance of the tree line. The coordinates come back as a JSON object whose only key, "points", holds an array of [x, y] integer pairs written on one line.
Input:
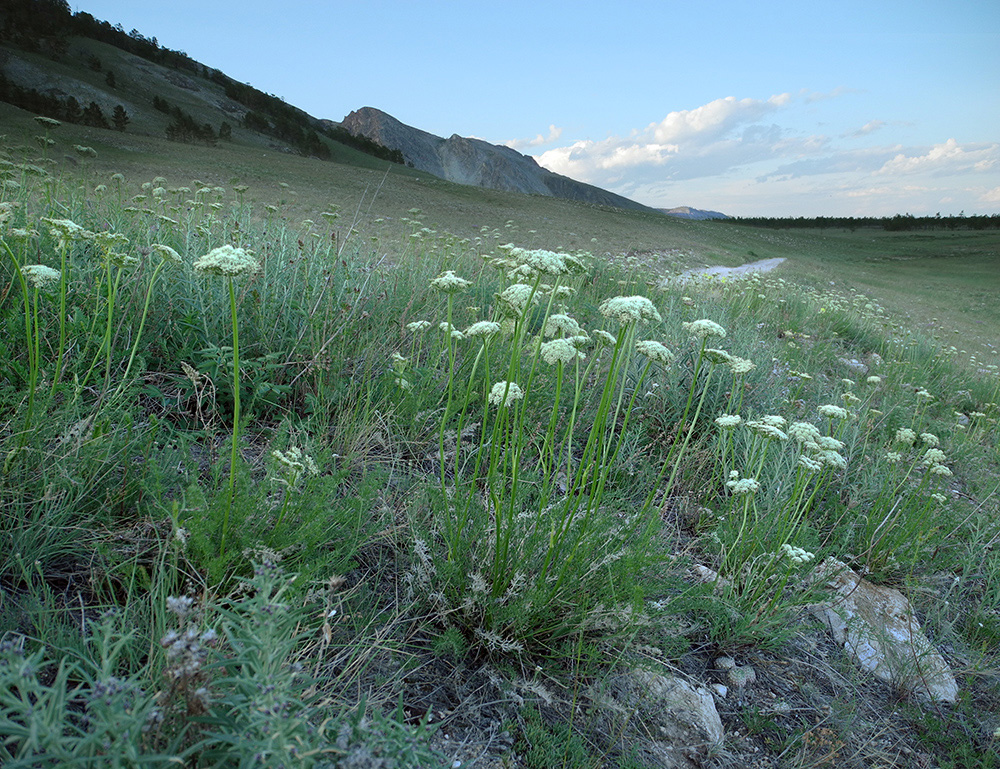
{"points": [[896, 223], [69, 109]]}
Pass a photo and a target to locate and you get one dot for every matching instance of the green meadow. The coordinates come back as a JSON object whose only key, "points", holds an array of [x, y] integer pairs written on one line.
{"points": [[337, 464]]}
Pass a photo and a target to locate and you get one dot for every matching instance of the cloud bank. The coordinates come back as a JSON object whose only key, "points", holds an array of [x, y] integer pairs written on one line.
{"points": [[742, 151]]}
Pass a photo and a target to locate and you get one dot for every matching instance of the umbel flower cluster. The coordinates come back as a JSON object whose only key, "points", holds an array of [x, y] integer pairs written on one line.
{"points": [[227, 261]]}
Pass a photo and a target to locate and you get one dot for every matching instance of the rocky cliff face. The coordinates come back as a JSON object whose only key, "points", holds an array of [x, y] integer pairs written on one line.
{"points": [[475, 162], [686, 212]]}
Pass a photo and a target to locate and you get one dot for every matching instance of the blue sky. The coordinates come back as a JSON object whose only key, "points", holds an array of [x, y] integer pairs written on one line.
{"points": [[771, 108]]}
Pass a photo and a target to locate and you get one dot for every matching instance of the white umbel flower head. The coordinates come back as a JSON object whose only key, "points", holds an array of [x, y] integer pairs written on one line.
{"points": [[227, 261], [505, 394], [629, 309], [564, 324], [804, 432], [810, 464], [905, 435], [449, 329], [40, 276], [560, 351], [483, 328], [549, 262], [514, 299], [718, 356], [65, 230], [728, 421], [703, 329], [832, 411], [605, 338], [418, 325], [654, 351], [741, 365], [743, 486], [166, 253], [796, 554], [768, 431], [449, 283]]}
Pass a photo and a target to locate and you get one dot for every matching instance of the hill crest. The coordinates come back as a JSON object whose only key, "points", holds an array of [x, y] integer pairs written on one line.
{"points": [[466, 160]]}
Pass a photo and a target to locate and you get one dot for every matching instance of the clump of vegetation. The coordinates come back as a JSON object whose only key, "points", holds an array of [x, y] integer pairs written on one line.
{"points": [[233, 504]]}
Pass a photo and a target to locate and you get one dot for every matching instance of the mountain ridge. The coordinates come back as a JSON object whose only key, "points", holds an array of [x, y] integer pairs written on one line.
{"points": [[466, 160]]}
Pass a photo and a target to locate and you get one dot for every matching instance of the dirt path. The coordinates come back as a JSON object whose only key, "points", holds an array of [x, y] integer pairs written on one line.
{"points": [[764, 265]]}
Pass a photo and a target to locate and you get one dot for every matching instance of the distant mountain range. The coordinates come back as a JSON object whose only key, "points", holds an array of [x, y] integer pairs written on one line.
{"points": [[686, 212], [474, 161]]}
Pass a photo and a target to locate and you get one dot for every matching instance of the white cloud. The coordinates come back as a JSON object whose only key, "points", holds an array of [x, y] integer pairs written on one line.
{"points": [[710, 139], [947, 158], [714, 119], [739, 156], [870, 127], [538, 141]]}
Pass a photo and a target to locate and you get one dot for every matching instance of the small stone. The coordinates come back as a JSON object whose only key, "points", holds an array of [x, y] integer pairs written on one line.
{"points": [[720, 690]]}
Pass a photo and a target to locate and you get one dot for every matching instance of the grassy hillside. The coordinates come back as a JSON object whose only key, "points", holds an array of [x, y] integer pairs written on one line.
{"points": [[288, 517]]}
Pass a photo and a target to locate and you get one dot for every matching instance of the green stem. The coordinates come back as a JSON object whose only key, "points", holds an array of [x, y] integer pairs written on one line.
{"points": [[236, 416], [142, 325]]}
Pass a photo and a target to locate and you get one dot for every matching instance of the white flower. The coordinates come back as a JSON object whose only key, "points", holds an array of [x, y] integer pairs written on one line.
{"points": [[226, 261], [893, 456], [40, 276], [515, 298], [905, 435], [654, 351], [832, 412], [741, 365], [743, 486], [505, 393], [64, 230], [727, 421], [449, 283], [768, 431], [603, 337], [810, 464], [804, 432], [483, 328], [874, 380], [560, 351], [930, 439], [557, 323], [718, 356], [826, 443], [629, 309], [774, 420], [939, 498], [832, 459], [418, 325], [703, 329], [549, 262], [166, 253], [941, 470], [797, 554], [449, 329]]}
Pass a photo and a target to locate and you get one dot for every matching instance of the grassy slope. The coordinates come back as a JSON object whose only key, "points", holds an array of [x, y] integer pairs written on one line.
{"points": [[940, 276], [951, 277]]}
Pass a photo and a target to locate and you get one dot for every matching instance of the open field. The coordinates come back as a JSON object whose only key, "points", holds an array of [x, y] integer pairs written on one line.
{"points": [[304, 465]]}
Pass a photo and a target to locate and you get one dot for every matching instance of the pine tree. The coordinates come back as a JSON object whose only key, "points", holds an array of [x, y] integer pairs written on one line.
{"points": [[120, 118]]}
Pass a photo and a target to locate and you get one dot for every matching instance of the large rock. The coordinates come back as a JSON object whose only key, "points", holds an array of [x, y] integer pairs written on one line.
{"points": [[672, 723], [877, 628]]}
